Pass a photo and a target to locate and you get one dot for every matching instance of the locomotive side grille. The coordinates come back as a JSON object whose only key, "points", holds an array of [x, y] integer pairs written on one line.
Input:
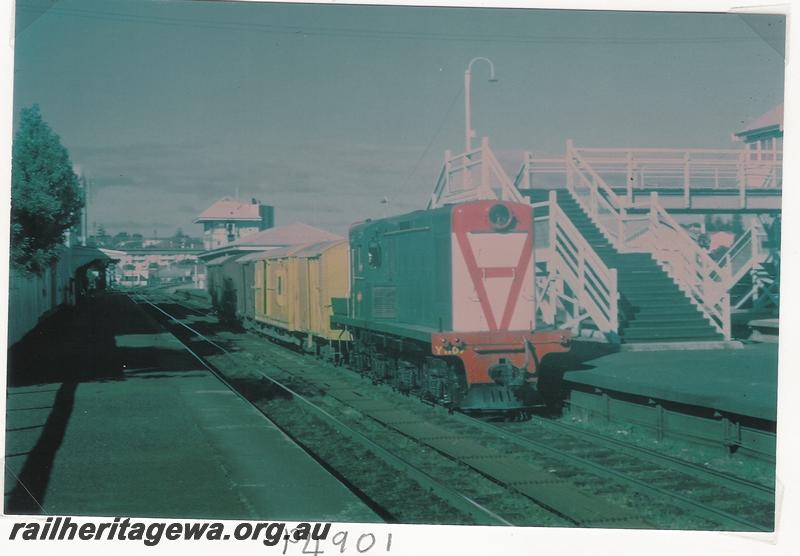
{"points": [[383, 302]]}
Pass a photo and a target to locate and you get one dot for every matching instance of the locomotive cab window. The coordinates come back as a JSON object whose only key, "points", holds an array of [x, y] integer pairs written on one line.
{"points": [[374, 255]]}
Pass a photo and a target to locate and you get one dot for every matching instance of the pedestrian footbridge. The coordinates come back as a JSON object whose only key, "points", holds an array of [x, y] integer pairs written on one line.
{"points": [[685, 180], [610, 255]]}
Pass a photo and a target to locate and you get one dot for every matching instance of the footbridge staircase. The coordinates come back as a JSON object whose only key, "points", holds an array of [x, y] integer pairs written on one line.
{"points": [[668, 288], [618, 262], [754, 262], [615, 265], [628, 294]]}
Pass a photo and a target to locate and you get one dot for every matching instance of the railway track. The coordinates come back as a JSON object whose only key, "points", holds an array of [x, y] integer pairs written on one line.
{"points": [[259, 392], [580, 478]]}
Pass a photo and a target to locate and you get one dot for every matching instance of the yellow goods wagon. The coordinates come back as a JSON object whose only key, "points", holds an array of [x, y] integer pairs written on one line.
{"points": [[271, 286], [293, 291], [324, 269]]}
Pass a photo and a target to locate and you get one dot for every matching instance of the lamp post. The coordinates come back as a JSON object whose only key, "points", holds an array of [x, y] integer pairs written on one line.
{"points": [[470, 133]]}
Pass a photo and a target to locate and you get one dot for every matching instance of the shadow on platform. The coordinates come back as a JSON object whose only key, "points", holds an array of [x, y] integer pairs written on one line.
{"points": [[554, 365], [77, 345]]}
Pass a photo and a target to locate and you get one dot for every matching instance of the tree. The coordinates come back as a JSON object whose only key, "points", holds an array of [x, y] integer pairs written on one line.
{"points": [[45, 194]]}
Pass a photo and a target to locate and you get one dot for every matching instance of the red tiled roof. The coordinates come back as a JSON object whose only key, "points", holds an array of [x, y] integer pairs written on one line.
{"points": [[312, 249], [218, 261], [290, 234], [772, 117], [230, 209], [275, 252], [317, 248]]}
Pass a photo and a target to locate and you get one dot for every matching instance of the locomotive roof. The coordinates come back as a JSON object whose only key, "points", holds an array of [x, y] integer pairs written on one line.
{"points": [[421, 213]]}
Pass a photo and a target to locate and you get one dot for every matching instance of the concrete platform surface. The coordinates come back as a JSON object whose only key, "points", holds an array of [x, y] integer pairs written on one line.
{"points": [[109, 415], [742, 381]]}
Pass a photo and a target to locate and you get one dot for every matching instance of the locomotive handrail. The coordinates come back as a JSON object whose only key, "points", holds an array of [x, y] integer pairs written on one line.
{"points": [[594, 284]]}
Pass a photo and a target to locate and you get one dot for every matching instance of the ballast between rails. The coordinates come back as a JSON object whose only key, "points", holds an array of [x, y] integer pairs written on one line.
{"points": [[457, 500], [590, 511], [719, 516]]}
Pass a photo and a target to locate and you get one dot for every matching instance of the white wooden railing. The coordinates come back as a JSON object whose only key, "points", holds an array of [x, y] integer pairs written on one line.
{"points": [[690, 266], [471, 176], [572, 260], [654, 232], [550, 171], [745, 257], [685, 170], [746, 253]]}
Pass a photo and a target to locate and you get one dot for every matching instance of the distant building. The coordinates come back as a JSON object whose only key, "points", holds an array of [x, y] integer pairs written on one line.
{"points": [[228, 220], [763, 137], [148, 267]]}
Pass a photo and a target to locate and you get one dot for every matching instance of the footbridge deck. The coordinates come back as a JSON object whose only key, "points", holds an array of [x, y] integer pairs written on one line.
{"points": [[686, 180]]}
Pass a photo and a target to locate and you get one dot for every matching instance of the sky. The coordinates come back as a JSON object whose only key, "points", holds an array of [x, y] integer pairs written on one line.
{"points": [[325, 110]]}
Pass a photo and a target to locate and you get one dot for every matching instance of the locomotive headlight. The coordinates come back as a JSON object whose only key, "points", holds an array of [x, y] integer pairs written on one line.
{"points": [[500, 217]]}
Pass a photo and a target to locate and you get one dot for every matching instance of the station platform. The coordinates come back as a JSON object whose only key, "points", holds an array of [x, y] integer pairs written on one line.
{"points": [[107, 414], [741, 381]]}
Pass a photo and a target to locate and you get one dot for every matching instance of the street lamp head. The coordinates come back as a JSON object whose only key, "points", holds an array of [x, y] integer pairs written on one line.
{"points": [[488, 61], [469, 133]]}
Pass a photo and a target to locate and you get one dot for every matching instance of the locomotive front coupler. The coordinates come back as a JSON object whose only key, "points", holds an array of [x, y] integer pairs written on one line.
{"points": [[506, 374]]}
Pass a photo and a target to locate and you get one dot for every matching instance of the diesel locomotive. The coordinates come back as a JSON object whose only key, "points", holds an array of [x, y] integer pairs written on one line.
{"points": [[438, 303], [442, 303]]}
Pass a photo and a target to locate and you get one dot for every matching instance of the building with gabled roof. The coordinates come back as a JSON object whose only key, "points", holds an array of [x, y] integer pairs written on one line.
{"points": [[763, 141], [230, 219], [769, 123], [763, 136]]}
